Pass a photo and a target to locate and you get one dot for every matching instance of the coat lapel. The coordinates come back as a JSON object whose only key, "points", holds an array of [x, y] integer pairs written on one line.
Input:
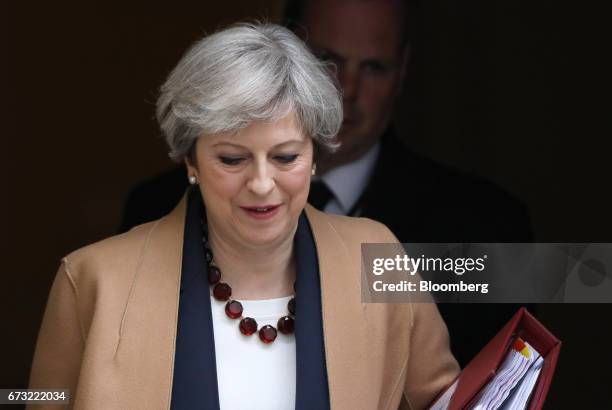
{"points": [[344, 317], [195, 369], [312, 390], [144, 357]]}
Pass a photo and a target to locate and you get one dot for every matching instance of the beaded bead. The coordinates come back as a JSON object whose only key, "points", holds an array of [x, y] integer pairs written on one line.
{"points": [[233, 309], [267, 334], [222, 291], [214, 275], [285, 325], [248, 326]]}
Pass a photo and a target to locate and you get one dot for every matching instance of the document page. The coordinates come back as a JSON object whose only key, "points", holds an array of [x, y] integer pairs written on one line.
{"points": [[521, 358]]}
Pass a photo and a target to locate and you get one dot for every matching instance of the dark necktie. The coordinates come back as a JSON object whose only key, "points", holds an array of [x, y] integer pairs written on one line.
{"points": [[319, 194]]}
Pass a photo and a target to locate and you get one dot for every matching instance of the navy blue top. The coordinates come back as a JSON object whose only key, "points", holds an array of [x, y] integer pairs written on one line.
{"points": [[195, 372]]}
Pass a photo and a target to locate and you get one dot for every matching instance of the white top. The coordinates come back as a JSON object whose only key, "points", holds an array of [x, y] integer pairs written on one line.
{"points": [[253, 375], [348, 181]]}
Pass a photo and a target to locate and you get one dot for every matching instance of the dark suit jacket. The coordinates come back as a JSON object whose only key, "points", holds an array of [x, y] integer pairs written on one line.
{"points": [[420, 201], [423, 201]]}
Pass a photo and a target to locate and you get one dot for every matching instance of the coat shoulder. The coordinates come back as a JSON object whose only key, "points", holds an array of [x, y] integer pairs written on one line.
{"points": [[113, 254], [354, 229]]}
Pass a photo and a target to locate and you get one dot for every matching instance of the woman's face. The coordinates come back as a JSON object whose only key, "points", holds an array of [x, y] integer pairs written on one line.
{"points": [[255, 182]]}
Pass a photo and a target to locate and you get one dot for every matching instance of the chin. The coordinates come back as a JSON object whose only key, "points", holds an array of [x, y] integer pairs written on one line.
{"points": [[262, 237], [261, 241]]}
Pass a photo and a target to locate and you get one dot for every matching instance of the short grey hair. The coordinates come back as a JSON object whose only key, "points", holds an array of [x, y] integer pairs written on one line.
{"points": [[246, 73]]}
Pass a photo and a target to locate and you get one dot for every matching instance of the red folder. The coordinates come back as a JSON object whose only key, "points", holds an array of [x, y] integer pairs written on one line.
{"points": [[482, 368]]}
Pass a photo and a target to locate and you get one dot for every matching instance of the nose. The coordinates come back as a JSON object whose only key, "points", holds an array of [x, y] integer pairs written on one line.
{"points": [[261, 181], [348, 77]]}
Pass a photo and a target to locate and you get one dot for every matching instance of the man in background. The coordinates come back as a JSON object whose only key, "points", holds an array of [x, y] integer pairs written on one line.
{"points": [[374, 174]]}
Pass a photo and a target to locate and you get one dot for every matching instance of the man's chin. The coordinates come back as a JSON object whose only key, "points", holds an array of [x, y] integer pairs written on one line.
{"points": [[347, 135]]}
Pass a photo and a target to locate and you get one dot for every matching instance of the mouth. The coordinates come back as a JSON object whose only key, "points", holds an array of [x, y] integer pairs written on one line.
{"points": [[261, 212]]}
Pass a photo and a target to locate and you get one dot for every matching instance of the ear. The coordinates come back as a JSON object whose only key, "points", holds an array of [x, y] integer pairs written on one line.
{"points": [[405, 57], [191, 168], [191, 159]]}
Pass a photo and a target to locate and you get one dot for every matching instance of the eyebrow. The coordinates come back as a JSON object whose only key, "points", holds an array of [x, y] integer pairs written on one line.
{"points": [[373, 59], [293, 141]]}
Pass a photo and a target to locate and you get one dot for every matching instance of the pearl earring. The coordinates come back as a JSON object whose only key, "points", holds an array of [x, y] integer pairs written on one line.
{"points": [[314, 169], [192, 180]]}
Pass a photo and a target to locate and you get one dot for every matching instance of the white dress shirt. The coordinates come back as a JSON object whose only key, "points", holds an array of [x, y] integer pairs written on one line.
{"points": [[254, 375], [347, 182]]}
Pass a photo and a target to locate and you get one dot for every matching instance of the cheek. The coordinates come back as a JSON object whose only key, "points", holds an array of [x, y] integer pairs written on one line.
{"points": [[218, 185], [296, 184], [378, 93]]}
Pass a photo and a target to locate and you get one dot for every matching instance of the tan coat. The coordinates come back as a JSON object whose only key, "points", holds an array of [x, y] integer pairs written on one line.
{"points": [[108, 333]]}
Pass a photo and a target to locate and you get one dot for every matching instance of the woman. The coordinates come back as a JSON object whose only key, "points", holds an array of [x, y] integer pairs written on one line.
{"points": [[197, 309]]}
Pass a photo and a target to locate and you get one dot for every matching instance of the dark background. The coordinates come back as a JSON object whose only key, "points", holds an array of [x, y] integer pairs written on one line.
{"points": [[506, 90]]}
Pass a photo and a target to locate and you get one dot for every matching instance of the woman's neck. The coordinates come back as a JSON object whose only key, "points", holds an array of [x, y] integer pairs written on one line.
{"points": [[255, 272]]}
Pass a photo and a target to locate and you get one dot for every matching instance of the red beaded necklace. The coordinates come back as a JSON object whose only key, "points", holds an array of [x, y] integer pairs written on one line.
{"points": [[233, 308]]}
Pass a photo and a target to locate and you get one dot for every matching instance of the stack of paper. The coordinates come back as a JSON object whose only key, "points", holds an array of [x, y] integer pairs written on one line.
{"points": [[519, 397], [511, 386], [514, 381]]}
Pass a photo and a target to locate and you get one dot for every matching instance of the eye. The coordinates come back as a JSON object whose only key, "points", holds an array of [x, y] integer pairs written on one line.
{"points": [[231, 160], [286, 159], [375, 67]]}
